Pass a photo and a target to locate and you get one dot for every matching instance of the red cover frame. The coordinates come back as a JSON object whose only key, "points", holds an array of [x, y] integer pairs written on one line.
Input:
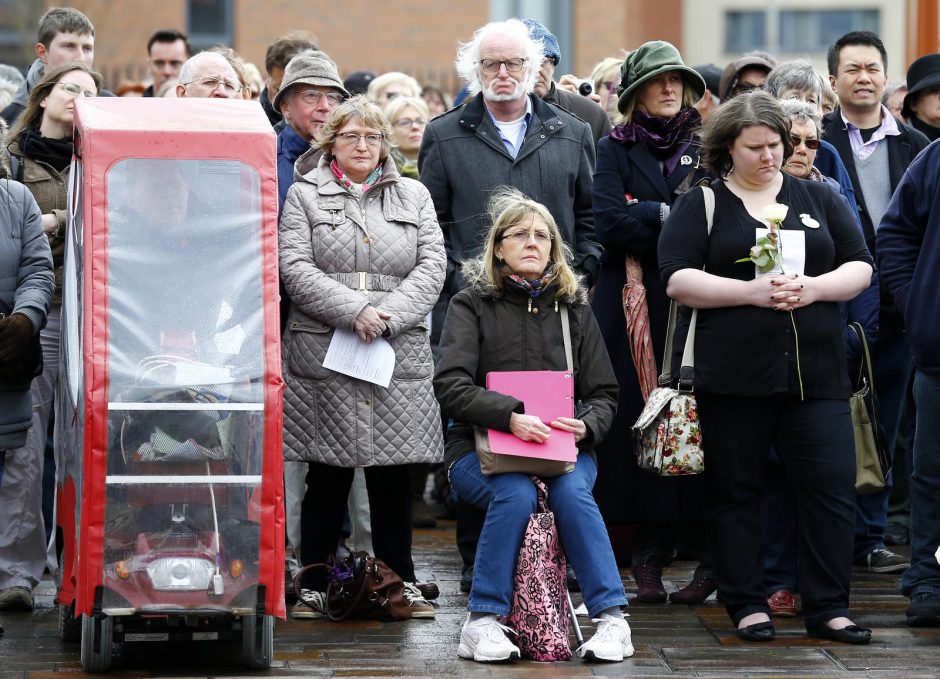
{"points": [[109, 130]]}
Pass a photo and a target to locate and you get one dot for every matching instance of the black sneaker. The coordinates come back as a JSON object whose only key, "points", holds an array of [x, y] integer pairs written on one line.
{"points": [[884, 561], [924, 610]]}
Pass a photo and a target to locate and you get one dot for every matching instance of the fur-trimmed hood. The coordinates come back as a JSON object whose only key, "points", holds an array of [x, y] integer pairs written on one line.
{"points": [[4, 151], [474, 272]]}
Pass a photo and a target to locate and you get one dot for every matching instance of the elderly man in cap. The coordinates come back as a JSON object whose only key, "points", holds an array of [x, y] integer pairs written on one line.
{"points": [[922, 102], [310, 90], [583, 107]]}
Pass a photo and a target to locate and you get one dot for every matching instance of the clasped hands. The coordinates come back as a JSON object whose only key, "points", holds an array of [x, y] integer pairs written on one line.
{"points": [[531, 428], [370, 323], [784, 292]]}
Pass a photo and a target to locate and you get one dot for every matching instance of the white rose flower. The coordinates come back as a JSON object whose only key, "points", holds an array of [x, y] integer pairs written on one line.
{"points": [[775, 213]]}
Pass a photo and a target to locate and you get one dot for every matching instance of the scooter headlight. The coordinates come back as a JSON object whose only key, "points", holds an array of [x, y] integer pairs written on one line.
{"points": [[180, 573]]}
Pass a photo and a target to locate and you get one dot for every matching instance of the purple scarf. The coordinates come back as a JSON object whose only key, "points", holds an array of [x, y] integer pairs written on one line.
{"points": [[666, 138]]}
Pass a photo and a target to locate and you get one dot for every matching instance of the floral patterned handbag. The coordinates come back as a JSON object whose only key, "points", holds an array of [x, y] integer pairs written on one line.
{"points": [[666, 436], [539, 610]]}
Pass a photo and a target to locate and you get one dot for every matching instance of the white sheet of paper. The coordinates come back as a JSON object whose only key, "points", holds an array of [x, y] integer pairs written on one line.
{"points": [[349, 355], [794, 252]]}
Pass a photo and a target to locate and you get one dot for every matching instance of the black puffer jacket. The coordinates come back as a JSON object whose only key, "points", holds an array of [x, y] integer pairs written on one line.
{"points": [[489, 331]]}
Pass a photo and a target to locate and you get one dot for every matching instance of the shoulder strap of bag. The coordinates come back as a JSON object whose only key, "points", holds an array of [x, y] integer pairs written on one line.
{"points": [[865, 371], [16, 165], [686, 371], [566, 333], [541, 492]]}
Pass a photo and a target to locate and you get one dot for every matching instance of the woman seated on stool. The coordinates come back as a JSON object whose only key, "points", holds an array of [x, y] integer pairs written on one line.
{"points": [[509, 319]]}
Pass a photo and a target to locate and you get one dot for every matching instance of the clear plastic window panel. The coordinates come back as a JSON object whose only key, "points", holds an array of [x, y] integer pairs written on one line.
{"points": [[182, 516]]}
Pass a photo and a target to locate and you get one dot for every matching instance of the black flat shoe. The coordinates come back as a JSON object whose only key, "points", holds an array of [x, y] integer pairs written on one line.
{"points": [[759, 631], [852, 634]]}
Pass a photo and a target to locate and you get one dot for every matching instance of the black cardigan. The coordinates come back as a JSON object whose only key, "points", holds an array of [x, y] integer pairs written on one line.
{"points": [[752, 351]]}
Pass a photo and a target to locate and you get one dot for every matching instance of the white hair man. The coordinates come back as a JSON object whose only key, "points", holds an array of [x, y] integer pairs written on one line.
{"points": [[505, 135]]}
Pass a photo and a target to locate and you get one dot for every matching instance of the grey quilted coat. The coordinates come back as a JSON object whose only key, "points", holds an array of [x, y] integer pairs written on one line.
{"points": [[339, 253]]}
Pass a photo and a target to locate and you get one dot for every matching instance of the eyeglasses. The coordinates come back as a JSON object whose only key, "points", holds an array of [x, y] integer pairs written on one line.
{"points": [[522, 236], [492, 66], [811, 144], [405, 123], [313, 97], [76, 90], [744, 88], [351, 138], [212, 83]]}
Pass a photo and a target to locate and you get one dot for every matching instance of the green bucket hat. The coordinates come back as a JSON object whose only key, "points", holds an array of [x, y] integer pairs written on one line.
{"points": [[648, 61]]}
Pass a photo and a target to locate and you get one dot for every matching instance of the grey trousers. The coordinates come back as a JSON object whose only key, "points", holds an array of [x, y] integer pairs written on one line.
{"points": [[23, 548]]}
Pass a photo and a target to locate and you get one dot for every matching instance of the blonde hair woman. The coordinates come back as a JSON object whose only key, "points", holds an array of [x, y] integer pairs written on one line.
{"points": [[509, 318]]}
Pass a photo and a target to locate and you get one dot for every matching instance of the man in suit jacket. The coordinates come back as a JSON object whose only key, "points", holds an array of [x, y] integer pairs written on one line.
{"points": [[876, 150]]}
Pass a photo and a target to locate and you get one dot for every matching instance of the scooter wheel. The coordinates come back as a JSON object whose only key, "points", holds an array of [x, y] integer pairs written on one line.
{"points": [[258, 641], [97, 636], [70, 627]]}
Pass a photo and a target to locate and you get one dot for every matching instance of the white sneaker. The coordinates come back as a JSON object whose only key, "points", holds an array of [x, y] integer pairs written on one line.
{"points": [[420, 607], [610, 643], [485, 640], [310, 606]]}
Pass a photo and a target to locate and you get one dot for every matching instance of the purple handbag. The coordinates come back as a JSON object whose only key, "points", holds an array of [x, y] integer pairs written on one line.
{"points": [[539, 610]]}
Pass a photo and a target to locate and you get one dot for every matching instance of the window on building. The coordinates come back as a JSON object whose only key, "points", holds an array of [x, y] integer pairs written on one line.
{"points": [[745, 31], [800, 31], [816, 30], [210, 22]]}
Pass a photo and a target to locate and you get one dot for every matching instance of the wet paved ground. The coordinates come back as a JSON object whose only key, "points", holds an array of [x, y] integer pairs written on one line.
{"points": [[671, 641]]}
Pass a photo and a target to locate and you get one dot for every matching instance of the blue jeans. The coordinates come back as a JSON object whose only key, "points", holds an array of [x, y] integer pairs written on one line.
{"points": [[509, 499], [924, 574]]}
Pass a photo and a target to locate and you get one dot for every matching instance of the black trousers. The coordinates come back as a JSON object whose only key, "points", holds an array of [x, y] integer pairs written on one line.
{"points": [[814, 440], [324, 507]]}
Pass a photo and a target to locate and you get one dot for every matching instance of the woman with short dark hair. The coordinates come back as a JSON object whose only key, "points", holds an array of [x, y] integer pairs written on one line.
{"points": [[770, 366]]}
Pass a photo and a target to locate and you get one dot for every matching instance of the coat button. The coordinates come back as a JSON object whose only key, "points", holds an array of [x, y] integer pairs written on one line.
{"points": [[551, 127], [542, 136], [368, 401], [365, 240], [535, 310]]}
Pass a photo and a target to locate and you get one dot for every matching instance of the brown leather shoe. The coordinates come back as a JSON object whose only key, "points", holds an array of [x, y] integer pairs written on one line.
{"points": [[649, 582], [782, 604], [429, 590], [695, 592]]}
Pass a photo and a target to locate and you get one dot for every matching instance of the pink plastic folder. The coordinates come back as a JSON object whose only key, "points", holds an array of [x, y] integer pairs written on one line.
{"points": [[547, 394]]}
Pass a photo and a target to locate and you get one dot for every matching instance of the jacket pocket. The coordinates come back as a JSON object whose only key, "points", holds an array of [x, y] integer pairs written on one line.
{"points": [[306, 345], [413, 354]]}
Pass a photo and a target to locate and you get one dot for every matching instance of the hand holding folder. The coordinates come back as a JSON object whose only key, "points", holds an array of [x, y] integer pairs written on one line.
{"points": [[548, 395]]}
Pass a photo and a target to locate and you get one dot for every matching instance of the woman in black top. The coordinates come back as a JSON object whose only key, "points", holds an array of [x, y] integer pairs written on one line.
{"points": [[770, 361]]}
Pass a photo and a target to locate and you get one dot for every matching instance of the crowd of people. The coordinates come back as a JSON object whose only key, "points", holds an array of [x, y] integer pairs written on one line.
{"points": [[471, 237]]}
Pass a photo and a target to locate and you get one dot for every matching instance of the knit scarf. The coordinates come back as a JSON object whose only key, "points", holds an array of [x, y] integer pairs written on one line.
{"points": [[54, 152], [664, 137]]}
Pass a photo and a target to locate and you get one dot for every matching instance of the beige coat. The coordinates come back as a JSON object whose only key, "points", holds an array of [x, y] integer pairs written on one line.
{"points": [[330, 243]]}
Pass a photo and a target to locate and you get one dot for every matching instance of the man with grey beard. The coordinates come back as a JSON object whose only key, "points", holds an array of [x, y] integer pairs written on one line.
{"points": [[505, 135]]}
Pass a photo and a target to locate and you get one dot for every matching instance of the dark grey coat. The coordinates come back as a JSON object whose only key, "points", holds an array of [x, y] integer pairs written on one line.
{"points": [[26, 283], [487, 330]]}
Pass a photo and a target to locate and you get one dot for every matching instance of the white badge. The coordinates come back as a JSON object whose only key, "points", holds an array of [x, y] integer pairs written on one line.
{"points": [[685, 160], [809, 221]]}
